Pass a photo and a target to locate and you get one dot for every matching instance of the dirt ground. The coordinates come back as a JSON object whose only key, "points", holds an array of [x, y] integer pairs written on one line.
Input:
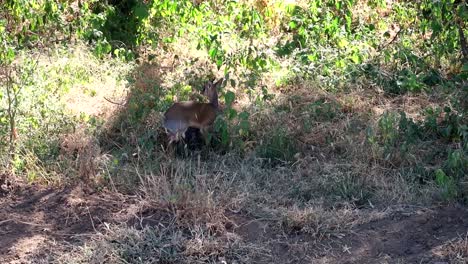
{"points": [[35, 220]]}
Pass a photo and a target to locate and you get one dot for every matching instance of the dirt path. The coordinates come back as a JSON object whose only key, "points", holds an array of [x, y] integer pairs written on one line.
{"points": [[438, 236], [424, 236], [36, 220]]}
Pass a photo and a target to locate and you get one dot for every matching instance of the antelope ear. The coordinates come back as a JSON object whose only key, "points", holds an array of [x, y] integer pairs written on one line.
{"points": [[206, 86], [218, 83]]}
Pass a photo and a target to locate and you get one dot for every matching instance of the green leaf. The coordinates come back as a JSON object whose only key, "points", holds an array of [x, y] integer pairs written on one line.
{"points": [[355, 58], [232, 113], [107, 47], [343, 43], [436, 27], [349, 18], [244, 115], [141, 11], [225, 137], [10, 56], [219, 62], [213, 52], [32, 25], [465, 67], [244, 125], [229, 97], [338, 5], [292, 25], [340, 63], [441, 177]]}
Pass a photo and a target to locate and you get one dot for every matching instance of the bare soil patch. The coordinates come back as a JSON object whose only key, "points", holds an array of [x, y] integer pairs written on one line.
{"points": [[35, 217], [407, 237], [410, 235], [36, 221]]}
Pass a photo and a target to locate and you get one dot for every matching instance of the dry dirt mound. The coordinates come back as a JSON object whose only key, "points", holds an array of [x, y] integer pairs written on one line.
{"points": [[424, 236], [438, 235]]}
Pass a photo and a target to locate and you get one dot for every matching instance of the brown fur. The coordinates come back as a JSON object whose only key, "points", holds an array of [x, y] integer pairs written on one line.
{"points": [[197, 115], [182, 115]]}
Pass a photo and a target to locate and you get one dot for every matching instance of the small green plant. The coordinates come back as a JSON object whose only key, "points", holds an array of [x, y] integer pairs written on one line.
{"points": [[446, 183], [395, 133], [232, 126], [399, 136], [457, 164], [410, 130], [450, 126], [277, 146], [388, 128], [323, 110], [352, 189], [143, 102]]}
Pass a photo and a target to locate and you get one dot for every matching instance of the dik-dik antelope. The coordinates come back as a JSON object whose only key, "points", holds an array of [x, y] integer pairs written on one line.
{"points": [[182, 115]]}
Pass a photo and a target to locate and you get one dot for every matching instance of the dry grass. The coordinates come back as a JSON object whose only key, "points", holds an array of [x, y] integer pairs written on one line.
{"points": [[82, 152], [456, 250], [318, 222], [162, 244], [87, 80]]}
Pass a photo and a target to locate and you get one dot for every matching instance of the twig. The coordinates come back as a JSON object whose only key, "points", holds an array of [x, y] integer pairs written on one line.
{"points": [[391, 41], [112, 102], [91, 219], [73, 235], [22, 222]]}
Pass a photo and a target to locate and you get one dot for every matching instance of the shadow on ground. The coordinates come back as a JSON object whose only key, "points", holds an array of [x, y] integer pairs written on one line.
{"points": [[37, 216]]}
